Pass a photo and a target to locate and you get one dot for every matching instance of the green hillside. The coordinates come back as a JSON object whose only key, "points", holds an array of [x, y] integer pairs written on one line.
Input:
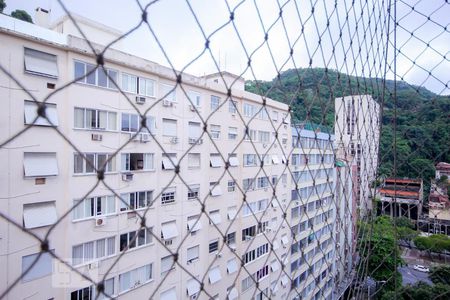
{"points": [[423, 118]]}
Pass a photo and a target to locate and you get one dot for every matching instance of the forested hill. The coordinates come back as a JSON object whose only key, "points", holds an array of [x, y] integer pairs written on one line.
{"points": [[423, 118]]}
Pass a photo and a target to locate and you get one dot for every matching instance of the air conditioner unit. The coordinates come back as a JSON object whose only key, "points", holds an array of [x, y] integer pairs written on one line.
{"points": [[127, 176], [248, 237], [219, 255], [167, 103], [140, 100], [145, 137], [96, 137], [174, 140], [135, 137], [100, 222], [192, 141]]}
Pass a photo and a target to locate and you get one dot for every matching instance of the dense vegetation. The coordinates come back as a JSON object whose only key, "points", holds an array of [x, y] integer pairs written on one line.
{"points": [[423, 118]]}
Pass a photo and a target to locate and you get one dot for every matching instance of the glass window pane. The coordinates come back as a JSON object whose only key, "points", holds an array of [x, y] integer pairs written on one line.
{"points": [[90, 79], [79, 118], [102, 79], [79, 71]]}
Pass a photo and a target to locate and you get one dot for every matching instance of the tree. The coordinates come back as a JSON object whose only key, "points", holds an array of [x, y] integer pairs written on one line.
{"points": [[440, 274], [22, 15], [2, 5]]}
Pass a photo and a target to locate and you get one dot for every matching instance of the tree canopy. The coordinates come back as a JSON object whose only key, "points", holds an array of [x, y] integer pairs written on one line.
{"points": [[22, 15]]}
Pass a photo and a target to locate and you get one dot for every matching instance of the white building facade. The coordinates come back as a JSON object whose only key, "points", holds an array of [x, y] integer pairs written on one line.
{"points": [[357, 131]]}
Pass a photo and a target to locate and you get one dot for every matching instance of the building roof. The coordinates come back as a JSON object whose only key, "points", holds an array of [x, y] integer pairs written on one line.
{"points": [[443, 166], [395, 193], [403, 180]]}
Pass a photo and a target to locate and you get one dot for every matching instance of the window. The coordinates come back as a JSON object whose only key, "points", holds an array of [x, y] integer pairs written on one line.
{"points": [[94, 250], [129, 83], [167, 264], [130, 122], [232, 266], [39, 214], [89, 293], [263, 182], [169, 230], [169, 127], [232, 106], [216, 160], [248, 184], [168, 92], [231, 185], [231, 238], [264, 137], [251, 135], [215, 132], [194, 130], [193, 223], [231, 212], [215, 188], [213, 246], [250, 160], [135, 239], [215, 217], [134, 278], [168, 196], [94, 206], [136, 200], [137, 161], [214, 275], [195, 98], [215, 102], [274, 116], [90, 162], [146, 87], [193, 253], [247, 283], [193, 160], [193, 192], [168, 295], [249, 110], [262, 273], [169, 161], [90, 74], [40, 164], [86, 118], [232, 133], [31, 115], [42, 267], [248, 233], [40, 63]]}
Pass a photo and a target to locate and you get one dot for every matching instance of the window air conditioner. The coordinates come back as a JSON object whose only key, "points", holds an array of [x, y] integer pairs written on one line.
{"points": [[135, 137], [94, 265], [167, 103], [100, 222], [145, 137], [192, 140], [96, 137], [127, 176], [140, 100], [248, 237], [174, 140]]}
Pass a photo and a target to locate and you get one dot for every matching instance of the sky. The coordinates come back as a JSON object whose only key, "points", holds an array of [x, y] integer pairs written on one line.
{"points": [[177, 29]]}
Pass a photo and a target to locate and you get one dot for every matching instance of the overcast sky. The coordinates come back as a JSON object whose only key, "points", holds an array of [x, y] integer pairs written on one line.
{"points": [[182, 38]]}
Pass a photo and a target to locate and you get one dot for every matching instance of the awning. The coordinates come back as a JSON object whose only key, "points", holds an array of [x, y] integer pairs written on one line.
{"points": [[215, 218], [216, 190], [214, 275], [30, 111], [232, 211], [169, 295], [232, 266], [167, 164], [284, 280], [39, 214], [194, 225], [275, 203], [216, 161], [274, 266], [40, 63], [169, 230], [193, 286], [40, 164], [233, 294], [275, 159], [285, 240], [234, 162]]}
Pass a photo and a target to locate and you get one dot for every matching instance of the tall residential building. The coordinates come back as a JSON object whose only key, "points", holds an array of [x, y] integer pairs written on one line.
{"points": [[178, 173], [312, 214], [357, 130]]}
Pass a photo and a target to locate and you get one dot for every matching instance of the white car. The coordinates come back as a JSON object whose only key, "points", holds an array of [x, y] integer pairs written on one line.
{"points": [[421, 268]]}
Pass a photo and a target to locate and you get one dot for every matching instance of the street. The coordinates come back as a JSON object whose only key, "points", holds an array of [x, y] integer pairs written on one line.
{"points": [[411, 276]]}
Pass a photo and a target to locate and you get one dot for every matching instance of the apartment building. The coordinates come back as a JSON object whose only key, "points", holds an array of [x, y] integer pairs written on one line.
{"points": [[312, 215], [115, 195], [357, 130]]}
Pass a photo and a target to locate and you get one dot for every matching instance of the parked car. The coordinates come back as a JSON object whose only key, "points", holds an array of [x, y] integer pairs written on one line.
{"points": [[421, 268]]}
